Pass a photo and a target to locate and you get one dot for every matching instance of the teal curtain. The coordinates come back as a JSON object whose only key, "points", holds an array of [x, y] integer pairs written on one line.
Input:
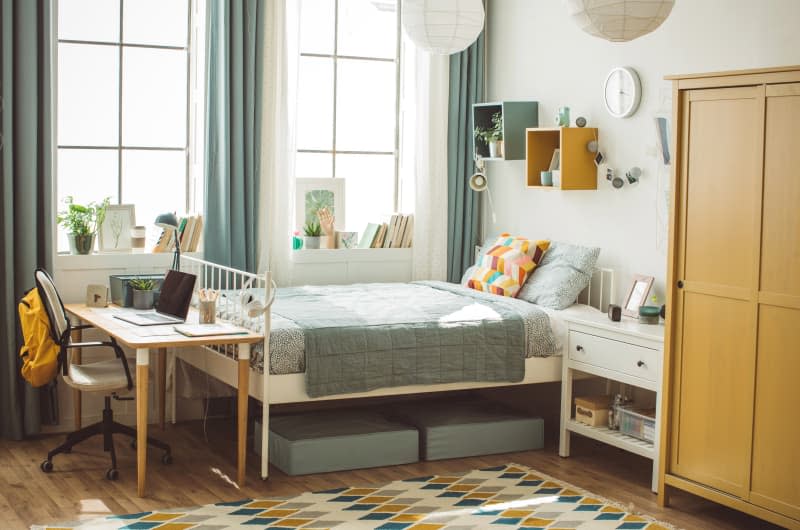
{"points": [[463, 205], [235, 35], [26, 213]]}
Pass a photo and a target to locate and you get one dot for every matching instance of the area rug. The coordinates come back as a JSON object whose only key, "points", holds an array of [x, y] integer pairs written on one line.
{"points": [[509, 496]]}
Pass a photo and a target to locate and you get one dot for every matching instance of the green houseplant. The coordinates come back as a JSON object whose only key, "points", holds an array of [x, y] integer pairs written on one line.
{"points": [[142, 292], [81, 223], [312, 233], [492, 136]]}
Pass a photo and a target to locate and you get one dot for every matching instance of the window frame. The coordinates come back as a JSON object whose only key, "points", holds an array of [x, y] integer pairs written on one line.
{"points": [[335, 56]]}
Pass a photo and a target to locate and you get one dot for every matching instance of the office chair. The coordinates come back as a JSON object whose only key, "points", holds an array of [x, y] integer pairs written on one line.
{"points": [[109, 377]]}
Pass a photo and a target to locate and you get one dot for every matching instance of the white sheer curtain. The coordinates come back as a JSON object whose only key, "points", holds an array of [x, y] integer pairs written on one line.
{"points": [[281, 30], [423, 148]]}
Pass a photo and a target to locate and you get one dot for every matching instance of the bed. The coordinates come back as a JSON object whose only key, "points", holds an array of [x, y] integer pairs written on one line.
{"points": [[295, 375]]}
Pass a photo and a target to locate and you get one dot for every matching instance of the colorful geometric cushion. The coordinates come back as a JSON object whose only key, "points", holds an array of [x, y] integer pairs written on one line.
{"points": [[503, 269]]}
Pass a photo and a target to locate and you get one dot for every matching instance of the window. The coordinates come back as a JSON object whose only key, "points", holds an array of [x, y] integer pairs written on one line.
{"points": [[347, 115], [126, 116]]}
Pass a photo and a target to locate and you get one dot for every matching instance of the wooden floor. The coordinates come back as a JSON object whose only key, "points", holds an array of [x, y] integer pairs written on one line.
{"points": [[202, 470]]}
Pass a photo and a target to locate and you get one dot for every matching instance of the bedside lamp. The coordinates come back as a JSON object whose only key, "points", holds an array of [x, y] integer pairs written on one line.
{"points": [[169, 220]]}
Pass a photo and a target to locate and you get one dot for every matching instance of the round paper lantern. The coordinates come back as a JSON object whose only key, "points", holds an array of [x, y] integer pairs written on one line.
{"points": [[443, 26], [619, 20]]}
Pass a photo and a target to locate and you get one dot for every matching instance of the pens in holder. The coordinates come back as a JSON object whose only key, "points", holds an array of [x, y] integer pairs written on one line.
{"points": [[208, 303]]}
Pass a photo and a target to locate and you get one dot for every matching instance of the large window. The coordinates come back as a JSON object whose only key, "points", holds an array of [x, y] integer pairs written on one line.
{"points": [[124, 127], [348, 102]]}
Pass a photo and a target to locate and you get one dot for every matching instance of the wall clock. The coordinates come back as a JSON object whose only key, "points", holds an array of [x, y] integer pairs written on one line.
{"points": [[622, 92]]}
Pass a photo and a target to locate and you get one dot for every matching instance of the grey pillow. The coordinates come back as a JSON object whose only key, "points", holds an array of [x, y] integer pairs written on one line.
{"points": [[564, 272]]}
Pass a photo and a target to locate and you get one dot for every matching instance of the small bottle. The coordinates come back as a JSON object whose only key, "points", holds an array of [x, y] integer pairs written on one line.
{"points": [[615, 413]]}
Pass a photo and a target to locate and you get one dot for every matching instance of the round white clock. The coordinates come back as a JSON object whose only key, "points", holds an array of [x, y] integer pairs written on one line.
{"points": [[622, 92]]}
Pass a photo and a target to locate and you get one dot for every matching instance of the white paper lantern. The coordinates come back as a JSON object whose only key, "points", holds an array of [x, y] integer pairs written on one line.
{"points": [[443, 26], [619, 20]]}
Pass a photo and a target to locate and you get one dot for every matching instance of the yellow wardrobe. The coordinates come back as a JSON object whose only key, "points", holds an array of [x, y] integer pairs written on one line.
{"points": [[731, 404]]}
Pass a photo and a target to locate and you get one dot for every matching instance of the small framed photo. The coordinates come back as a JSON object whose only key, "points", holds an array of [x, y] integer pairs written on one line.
{"points": [[555, 161], [114, 235], [315, 194], [346, 239], [637, 295]]}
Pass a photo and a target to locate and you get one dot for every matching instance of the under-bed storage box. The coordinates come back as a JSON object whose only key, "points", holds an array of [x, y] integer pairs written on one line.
{"points": [[469, 428], [336, 440]]}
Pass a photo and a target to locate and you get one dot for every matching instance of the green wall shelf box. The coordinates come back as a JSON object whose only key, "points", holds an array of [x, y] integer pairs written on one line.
{"points": [[516, 117]]}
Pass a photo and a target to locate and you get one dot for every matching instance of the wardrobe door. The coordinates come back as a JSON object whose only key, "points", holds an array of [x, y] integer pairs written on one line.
{"points": [[776, 430], [718, 234]]}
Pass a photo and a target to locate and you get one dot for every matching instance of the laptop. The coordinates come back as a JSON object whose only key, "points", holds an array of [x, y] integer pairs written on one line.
{"points": [[173, 302]]}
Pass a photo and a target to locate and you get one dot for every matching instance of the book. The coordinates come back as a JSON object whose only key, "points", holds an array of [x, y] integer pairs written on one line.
{"points": [[197, 234], [379, 239], [391, 230], [397, 240], [186, 233], [368, 236], [408, 234], [164, 241], [206, 330]]}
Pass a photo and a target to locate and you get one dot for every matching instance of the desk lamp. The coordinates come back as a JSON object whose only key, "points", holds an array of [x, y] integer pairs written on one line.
{"points": [[169, 220]]}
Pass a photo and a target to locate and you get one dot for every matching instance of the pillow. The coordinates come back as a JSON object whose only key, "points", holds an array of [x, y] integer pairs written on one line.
{"points": [[503, 269], [564, 272]]}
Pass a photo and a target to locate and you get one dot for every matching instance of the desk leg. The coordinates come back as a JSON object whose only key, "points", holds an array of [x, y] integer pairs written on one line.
{"points": [[162, 386], [244, 393], [142, 367], [77, 336]]}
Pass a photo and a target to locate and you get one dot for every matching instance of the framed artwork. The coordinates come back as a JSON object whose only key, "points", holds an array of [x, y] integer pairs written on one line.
{"points": [[114, 235], [346, 239], [313, 194], [637, 295]]}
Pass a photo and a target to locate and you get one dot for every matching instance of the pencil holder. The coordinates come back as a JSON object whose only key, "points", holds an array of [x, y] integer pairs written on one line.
{"points": [[208, 312]]}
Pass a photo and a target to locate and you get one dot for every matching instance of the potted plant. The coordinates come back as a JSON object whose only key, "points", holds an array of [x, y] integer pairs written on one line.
{"points": [[492, 136], [81, 223], [142, 292], [312, 233]]}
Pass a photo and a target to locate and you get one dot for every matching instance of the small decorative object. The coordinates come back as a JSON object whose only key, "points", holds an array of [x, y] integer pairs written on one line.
{"points": [[297, 241], [633, 175], [169, 221], [637, 295], [591, 146], [622, 92], [81, 223], [207, 306], [546, 178], [663, 311], [312, 233], [614, 312], [479, 183], [347, 239], [96, 295], [445, 26], [662, 137], [611, 176], [556, 178], [114, 234], [142, 292], [138, 237], [592, 410], [492, 136], [562, 118], [599, 158], [648, 314], [313, 194], [580, 121], [555, 160], [619, 21]]}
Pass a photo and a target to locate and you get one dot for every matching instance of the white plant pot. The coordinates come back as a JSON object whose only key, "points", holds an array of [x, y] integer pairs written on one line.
{"points": [[496, 149], [310, 242]]}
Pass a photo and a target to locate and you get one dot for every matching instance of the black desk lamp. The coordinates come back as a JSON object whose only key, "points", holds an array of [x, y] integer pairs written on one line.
{"points": [[169, 220]]}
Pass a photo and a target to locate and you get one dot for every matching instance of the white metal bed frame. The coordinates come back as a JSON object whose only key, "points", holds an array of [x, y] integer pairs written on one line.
{"points": [[290, 388]]}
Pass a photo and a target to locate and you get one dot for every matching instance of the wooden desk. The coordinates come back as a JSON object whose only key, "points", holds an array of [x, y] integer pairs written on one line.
{"points": [[142, 339]]}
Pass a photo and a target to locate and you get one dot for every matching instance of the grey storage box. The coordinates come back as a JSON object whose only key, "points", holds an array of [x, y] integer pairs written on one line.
{"points": [[455, 429], [336, 440], [121, 292]]}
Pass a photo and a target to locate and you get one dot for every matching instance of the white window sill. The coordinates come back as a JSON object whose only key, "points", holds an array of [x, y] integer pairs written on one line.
{"points": [[336, 255], [116, 260]]}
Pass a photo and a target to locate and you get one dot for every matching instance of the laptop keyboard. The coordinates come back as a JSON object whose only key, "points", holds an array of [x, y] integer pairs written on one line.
{"points": [[155, 317]]}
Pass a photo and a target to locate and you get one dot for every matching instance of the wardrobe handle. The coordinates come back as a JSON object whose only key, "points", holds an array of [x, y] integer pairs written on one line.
{"points": [[640, 364], [579, 347], [680, 284]]}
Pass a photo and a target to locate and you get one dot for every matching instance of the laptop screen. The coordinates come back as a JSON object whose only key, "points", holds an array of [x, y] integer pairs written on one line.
{"points": [[176, 294]]}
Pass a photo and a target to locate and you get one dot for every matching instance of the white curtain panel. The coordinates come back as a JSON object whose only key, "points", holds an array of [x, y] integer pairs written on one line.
{"points": [[424, 156], [281, 30]]}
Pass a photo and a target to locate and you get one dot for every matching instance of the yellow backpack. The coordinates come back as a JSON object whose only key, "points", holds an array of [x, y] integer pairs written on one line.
{"points": [[40, 352]]}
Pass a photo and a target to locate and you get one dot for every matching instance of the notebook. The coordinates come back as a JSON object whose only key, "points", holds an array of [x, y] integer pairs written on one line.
{"points": [[173, 302], [206, 330]]}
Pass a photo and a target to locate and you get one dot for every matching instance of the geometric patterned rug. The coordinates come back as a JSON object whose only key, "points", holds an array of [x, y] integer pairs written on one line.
{"points": [[502, 497]]}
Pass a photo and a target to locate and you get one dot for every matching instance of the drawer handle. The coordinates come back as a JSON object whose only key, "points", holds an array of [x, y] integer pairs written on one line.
{"points": [[640, 364], [579, 347]]}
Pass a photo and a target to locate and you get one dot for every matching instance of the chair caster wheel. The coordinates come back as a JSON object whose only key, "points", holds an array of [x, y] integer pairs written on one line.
{"points": [[112, 474], [46, 466], [166, 459]]}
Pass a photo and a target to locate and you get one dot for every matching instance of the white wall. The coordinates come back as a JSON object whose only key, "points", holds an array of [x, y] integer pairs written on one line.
{"points": [[536, 52]]}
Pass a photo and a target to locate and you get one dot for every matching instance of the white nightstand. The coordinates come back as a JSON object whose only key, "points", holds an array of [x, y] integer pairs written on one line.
{"points": [[627, 352]]}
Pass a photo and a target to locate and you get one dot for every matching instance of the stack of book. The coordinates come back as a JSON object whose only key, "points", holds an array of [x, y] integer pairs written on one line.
{"points": [[190, 230], [397, 233]]}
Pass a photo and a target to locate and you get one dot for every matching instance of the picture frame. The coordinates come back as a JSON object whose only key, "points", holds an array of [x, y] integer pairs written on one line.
{"points": [[311, 194], [114, 235], [555, 160], [346, 239], [637, 295]]}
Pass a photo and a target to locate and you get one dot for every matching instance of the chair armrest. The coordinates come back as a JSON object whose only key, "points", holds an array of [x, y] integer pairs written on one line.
{"points": [[82, 326]]}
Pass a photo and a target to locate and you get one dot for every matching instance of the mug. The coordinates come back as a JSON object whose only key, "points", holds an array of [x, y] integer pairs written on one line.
{"points": [[546, 178]]}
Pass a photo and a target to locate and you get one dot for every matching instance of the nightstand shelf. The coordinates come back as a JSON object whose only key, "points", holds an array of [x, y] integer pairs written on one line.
{"points": [[625, 352]]}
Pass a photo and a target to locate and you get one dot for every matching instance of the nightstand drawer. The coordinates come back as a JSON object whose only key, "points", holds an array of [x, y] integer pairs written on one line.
{"points": [[630, 359]]}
